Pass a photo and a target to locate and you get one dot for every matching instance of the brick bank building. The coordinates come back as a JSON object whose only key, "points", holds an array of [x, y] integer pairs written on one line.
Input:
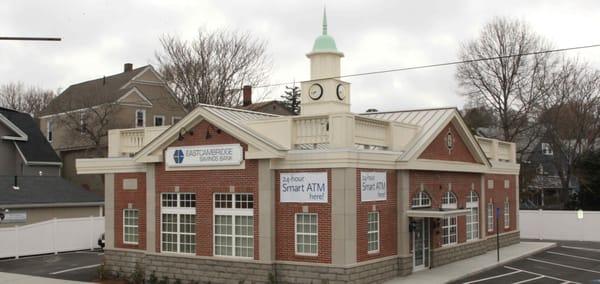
{"points": [[328, 196]]}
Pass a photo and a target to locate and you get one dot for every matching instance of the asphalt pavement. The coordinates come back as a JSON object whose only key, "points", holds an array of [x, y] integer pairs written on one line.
{"points": [[75, 266]]}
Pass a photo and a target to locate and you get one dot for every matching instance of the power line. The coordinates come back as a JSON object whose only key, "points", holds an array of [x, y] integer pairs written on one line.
{"points": [[437, 65], [30, 38]]}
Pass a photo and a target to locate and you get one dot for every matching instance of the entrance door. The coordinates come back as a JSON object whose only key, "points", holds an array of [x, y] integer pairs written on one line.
{"points": [[421, 244]]}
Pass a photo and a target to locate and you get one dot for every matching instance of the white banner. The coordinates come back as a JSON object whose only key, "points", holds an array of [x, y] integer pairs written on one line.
{"points": [[15, 217], [303, 187], [206, 155], [373, 186]]}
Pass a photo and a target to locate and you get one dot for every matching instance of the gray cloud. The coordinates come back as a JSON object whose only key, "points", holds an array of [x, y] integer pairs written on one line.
{"points": [[99, 36]]}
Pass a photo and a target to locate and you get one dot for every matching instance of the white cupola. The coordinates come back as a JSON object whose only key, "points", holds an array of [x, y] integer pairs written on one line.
{"points": [[325, 93]]}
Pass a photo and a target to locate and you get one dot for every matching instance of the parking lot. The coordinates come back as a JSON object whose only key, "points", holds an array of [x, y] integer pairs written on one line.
{"points": [[77, 266], [568, 262]]}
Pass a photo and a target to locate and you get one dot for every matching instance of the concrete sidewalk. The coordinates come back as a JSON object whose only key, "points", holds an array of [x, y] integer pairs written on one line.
{"points": [[27, 279], [464, 268]]}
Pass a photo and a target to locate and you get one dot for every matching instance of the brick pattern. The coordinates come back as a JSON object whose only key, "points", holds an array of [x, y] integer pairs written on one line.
{"points": [[285, 224], [450, 254], [388, 219], [205, 183], [438, 149], [436, 184], [497, 196], [137, 198]]}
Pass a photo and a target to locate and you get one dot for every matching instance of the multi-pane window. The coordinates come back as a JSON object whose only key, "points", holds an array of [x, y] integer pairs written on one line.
{"points": [[159, 120], [373, 232], [234, 225], [178, 222], [421, 199], [506, 214], [130, 226], [140, 118], [449, 223], [490, 217], [472, 216], [306, 234], [546, 149], [82, 123]]}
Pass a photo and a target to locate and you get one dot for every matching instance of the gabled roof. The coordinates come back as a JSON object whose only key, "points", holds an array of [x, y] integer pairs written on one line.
{"points": [[35, 148], [230, 120], [260, 107], [98, 91], [44, 190], [430, 123]]}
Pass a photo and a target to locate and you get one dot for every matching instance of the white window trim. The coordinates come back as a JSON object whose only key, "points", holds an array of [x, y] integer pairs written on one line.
{"points": [[163, 120], [490, 217], [178, 211], [453, 205], [137, 227], [310, 234], [506, 214], [471, 204], [231, 212], [547, 150], [143, 111], [419, 196], [370, 232], [81, 123], [49, 131], [173, 119]]}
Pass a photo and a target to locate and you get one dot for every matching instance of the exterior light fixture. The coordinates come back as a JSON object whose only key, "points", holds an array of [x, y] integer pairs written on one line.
{"points": [[182, 132]]}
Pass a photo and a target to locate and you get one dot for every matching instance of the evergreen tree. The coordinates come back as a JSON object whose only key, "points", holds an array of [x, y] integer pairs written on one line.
{"points": [[292, 99]]}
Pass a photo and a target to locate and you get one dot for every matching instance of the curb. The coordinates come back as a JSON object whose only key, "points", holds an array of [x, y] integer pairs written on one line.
{"points": [[503, 262]]}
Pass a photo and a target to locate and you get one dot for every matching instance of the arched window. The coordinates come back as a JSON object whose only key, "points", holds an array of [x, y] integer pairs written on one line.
{"points": [[472, 216], [449, 235], [421, 199]]}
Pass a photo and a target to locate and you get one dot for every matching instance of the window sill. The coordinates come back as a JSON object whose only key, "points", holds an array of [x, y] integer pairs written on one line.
{"points": [[373, 252], [306, 255]]}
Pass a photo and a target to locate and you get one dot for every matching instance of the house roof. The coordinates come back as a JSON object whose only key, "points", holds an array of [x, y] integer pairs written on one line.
{"points": [[35, 148], [260, 106], [94, 92], [44, 190]]}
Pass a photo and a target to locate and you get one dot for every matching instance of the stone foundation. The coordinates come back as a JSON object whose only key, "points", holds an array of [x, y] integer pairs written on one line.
{"points": [[199, 270], [454, 253]]}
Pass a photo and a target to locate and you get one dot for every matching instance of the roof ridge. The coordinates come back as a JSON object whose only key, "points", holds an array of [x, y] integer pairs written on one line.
{"points": [[109, 76], [410, 110], [238, 110]]}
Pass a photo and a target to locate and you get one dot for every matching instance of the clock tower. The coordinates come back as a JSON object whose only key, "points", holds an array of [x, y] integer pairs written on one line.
{"points": [[325, 93]]}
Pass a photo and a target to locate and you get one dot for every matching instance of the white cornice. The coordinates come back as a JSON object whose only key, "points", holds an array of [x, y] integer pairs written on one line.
{"points": [[21, 135]]}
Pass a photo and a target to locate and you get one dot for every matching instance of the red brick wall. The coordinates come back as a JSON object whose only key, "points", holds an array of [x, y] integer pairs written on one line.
{"points": [[436, 184], [388, 219], [205, 183], [438, 149], [498, 195], [137, 198], [285, 224]]}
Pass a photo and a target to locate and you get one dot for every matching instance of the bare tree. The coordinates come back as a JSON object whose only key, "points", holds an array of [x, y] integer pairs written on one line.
{"points": [[570, 116], [30, 100], [213, 67], [510, 86]]}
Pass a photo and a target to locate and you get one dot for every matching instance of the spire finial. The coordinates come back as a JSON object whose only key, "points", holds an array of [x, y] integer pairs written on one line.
{"points": [[324, 20]]}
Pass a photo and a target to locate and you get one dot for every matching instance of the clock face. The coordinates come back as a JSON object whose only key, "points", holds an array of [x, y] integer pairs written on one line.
{"points": [[315, 92], [340, 92]]}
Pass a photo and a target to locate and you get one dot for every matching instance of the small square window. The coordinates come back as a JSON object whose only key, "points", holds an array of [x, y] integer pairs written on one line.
{"points": [[490, 184], [159, 120], [506, 184], [546, 149]]}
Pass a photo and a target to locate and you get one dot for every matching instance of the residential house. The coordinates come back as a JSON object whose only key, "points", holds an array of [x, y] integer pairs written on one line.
{"points": [[272, 106], [31, 189], [76, 123]]}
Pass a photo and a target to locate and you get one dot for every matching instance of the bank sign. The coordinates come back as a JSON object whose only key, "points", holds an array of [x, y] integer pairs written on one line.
{"points": [[373, 186], [201, 156], [303, 187]]}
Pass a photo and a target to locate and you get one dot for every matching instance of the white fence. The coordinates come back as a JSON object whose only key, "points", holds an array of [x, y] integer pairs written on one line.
{"points": [[559, 225], [51, 236]]}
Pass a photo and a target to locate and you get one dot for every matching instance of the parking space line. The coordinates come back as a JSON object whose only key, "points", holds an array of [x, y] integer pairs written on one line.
{"points": [[564, 265], [574, 256], [527, 280], [547, 276], [493, 277], [74, 269], [580, 248]]}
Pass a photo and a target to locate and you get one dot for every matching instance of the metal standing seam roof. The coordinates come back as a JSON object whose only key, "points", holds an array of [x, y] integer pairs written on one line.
{"points": [[428, 121]]}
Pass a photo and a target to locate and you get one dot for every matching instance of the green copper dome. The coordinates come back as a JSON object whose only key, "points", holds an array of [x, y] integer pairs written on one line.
{"points": [[325, 42]]}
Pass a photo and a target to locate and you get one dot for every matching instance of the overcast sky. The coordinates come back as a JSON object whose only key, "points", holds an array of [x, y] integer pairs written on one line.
{"points": [[100, 35]]}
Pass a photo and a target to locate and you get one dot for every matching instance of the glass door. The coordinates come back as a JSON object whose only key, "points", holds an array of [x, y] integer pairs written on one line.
{"points": [[421, 244]]}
